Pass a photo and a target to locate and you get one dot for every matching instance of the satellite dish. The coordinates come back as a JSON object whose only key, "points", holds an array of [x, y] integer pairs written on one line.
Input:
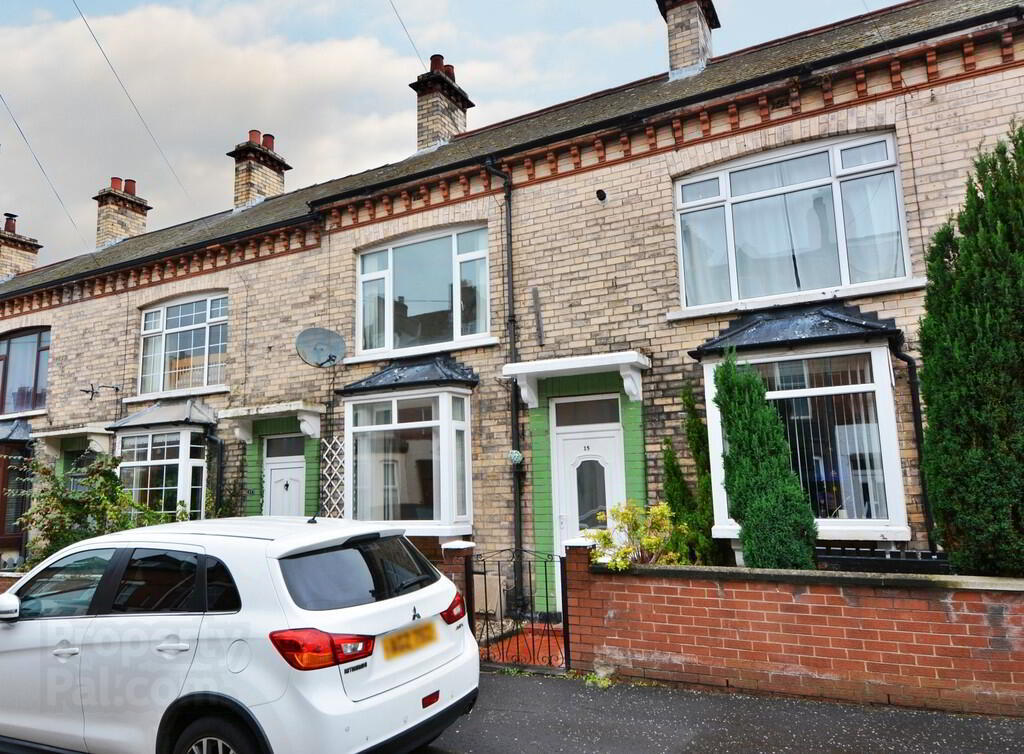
{"points": [[319, 347]]}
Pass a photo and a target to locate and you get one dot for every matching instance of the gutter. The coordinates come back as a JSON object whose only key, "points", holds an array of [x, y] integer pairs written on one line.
{"points": [[635, 116], [309, 216]]}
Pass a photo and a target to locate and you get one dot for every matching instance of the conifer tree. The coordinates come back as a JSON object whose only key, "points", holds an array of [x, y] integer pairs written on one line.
{"points": [[777, 528], [972, 344]]}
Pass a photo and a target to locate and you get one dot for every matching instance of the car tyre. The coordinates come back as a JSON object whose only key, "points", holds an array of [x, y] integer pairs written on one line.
{"points": [[215, 735]]}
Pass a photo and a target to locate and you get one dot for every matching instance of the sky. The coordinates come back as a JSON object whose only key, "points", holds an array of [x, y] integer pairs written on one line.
{"points": [[328, 77]]}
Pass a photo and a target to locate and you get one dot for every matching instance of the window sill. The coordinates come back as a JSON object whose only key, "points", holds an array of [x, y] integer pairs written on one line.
{"points": [[23, 414], [451, 345], [428, 528], [835, 529], [828, 294], [186, 393]]}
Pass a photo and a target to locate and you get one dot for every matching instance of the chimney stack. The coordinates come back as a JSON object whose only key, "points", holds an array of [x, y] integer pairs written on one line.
{"points": [[17, 253], [259, 170], [120, 214], [441, 105], [689, 34]]}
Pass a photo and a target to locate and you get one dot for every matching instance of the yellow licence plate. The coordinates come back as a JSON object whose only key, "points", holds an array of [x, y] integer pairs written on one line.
{"points": [[408, 641]]}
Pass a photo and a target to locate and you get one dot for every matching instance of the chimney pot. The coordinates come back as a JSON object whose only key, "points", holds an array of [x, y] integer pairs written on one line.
{"points": [[254, 135], [10, 222], [121, 215], [116, 184], [268, 142], [436, 63], [129, 186], [449, 71]]}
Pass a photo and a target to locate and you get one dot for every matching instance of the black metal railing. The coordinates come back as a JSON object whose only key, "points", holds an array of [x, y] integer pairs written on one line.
{"points": [[857, 558]]}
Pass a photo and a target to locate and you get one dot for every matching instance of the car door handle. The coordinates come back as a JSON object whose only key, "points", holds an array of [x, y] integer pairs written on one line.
{"points": [[66, 652], [175, 648]]}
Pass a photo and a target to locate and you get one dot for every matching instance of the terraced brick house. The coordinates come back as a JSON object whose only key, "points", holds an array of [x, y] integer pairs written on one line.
{"points": [[523, 302]]}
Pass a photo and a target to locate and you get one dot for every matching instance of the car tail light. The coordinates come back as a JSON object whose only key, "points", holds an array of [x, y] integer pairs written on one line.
{"points": [[431, 698], [456, 611], [312, 649]]}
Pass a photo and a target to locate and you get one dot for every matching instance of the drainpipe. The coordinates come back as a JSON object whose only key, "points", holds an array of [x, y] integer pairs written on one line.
{"points": [[915, 402], [513, 356]]}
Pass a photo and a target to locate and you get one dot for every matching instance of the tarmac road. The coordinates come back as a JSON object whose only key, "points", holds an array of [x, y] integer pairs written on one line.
{"points": [[550, 714]]}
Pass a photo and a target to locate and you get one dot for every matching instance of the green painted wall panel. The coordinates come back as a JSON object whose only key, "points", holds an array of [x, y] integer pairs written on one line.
{"points": [[288, 425], [538, 423]]}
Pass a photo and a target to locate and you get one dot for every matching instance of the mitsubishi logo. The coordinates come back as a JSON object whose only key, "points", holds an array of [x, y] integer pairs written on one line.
{"points": [[415, 613]]}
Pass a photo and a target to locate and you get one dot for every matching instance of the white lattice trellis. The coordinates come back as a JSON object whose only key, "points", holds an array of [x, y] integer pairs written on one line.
{"points": [[332, 476]]}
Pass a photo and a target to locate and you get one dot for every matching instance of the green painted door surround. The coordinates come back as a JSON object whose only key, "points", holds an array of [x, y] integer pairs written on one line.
{"points": [[261, 429], [540, 437]]}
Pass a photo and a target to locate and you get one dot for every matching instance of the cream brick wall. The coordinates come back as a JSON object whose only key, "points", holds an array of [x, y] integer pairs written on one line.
{"points": [[438, 119], [255, 180], [607, 275]]}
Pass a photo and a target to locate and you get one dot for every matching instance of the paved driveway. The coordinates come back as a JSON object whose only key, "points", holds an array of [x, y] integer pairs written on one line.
{"points": [[548, 715]]}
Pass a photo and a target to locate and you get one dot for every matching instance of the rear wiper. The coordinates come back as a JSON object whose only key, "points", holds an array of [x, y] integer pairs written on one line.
{"points": [[413, 582]]}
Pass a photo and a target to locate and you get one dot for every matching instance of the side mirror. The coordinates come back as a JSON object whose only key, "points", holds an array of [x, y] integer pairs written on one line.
{"points": [[10, 607]]}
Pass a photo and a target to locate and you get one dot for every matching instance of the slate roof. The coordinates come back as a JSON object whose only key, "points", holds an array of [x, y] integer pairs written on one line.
{"points": [[16, 430], [632, 102], [402, 375], [190, 411], [799, 325]]}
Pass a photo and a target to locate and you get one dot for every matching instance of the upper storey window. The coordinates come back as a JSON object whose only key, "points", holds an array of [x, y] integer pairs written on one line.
{"points": [[813, 218], [184, 345], [25, 359], [427, 291]]}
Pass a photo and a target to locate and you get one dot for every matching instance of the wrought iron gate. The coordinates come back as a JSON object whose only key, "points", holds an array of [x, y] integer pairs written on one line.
{"points": [[518, 607]]}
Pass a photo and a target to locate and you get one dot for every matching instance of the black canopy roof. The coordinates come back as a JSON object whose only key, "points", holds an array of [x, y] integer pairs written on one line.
{"points": [[409, 373], [799, 325]]}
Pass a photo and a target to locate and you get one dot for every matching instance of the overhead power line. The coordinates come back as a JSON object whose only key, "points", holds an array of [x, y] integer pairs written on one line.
{"points": [[407, 34], [135, 107], [39, 164]]}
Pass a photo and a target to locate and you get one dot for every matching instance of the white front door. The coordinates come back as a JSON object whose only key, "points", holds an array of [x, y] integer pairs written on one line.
{"points": [[284, 480], [588, 463]]}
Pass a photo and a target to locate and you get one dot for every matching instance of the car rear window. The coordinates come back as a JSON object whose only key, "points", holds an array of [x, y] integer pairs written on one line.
{"points": [[356, 573]]}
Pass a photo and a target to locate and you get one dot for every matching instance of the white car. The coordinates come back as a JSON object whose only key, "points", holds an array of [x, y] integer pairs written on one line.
{"points": [[235, 636]]}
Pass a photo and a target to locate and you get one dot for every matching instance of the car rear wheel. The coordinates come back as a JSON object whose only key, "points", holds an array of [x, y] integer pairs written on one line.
{"points": [[214, 735]]}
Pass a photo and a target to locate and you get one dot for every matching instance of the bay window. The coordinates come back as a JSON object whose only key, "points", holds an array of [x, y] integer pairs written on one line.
{"points": [[409, 458], [424, 291], [817, 217], [839, 419], [24, 364], [184, 345], [161, 469]]}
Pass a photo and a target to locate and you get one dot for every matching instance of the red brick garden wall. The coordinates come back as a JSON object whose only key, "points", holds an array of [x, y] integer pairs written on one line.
{"points": [[5, 583], [952, 643]]}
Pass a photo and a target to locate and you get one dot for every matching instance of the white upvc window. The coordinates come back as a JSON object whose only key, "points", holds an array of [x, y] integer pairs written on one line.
{"points": [[824, 216], [184, 344], [165, 468], [424, 293], [839, 418], [408, 459]]}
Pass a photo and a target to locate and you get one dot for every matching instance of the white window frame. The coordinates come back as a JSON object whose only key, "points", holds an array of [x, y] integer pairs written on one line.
{"points": [[184, 462], [162, 331], [893, 529], [449, 523], [838, 176], [458, 340]]}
